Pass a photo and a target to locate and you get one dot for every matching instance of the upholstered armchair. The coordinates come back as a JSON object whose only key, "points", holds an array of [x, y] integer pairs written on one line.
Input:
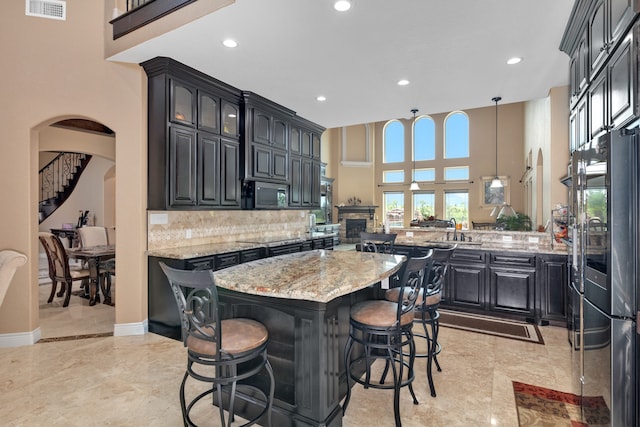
{"points": [[9, 262]]}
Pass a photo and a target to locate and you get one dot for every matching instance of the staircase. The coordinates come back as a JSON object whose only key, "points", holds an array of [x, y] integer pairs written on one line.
{"points": [[58, 179]]}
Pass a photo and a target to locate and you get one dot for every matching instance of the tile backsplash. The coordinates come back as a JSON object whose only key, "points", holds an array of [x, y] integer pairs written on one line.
{"points": [[171, 229]]}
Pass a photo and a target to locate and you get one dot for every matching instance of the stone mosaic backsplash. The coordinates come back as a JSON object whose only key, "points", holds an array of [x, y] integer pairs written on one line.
{"points": [[171, 229]]}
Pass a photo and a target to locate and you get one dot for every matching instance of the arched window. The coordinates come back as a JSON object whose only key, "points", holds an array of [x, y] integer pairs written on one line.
{"points": [[424, 139], [393, 142], [456, 135]]}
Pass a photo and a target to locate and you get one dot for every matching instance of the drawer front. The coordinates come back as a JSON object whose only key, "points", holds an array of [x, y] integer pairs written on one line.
{"points": [[328, 242], [513, 259], [251, 255], [200, 263], [468, 256], [227, 260]]}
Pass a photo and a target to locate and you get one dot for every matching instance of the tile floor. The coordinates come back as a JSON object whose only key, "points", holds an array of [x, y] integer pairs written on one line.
{"points": [[134, 381]]}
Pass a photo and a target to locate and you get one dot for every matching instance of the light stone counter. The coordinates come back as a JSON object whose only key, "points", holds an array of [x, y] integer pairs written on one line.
{"points": [[187, 252], [510, 241], [318, 275]]}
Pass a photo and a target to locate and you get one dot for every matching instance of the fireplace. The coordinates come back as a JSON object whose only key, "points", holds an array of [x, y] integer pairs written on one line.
{"points": [[355, 227], [357, 219]]}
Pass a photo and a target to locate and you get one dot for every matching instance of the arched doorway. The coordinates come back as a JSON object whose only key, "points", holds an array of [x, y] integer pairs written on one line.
{"points": [[94, 192]]}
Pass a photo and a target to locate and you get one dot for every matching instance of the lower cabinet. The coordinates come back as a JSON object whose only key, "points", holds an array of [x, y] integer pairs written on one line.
{"points": [[466, 285], [553, 273], [164, 318], [521, 286], [512, 291]]}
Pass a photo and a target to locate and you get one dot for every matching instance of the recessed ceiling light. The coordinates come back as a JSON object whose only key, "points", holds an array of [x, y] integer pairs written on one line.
{"points": [[514, 60], [230, 43], [403, 82], [321, 98], [342, 5]]}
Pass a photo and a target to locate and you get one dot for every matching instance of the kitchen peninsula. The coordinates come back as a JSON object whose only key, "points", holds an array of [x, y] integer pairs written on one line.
{"points": [[512, 274]]}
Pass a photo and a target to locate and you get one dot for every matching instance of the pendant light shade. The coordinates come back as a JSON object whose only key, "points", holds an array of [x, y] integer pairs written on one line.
{"points": [[414, 184], [496, 182]]}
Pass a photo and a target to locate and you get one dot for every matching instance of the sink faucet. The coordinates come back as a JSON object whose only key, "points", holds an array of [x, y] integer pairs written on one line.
{"points": [[455, 230]]}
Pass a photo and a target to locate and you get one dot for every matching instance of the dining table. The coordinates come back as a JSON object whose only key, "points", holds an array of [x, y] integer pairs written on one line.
{"points": [[95, 256], [304, 300]]}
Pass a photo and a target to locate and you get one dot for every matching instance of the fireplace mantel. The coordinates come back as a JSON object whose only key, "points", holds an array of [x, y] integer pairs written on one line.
{"points": [[362, 209]]}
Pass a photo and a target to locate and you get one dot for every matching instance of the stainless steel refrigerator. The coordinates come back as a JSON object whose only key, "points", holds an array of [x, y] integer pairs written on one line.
{"points": [[604, 277]]}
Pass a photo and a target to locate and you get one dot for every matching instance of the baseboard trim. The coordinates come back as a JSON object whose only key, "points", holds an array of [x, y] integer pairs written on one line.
{"points": [[18, 339], [136, 328]]}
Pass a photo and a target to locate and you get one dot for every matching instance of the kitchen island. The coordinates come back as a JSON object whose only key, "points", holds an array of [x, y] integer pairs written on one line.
{"points": [[304, 300]]}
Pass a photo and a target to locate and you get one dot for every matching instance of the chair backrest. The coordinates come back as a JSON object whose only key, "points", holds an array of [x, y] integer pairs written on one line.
{"points": [[93, 236], [377, 242], [9, 262], [197, 298], [442, 255], [434, 285], [412, 281], [56, 256]]}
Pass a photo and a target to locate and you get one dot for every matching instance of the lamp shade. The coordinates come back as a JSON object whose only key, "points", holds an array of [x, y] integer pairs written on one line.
{"points": [[414, 186], [496, 183]]}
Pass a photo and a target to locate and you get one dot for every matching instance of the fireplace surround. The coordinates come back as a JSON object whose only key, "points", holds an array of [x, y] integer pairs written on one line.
{"points": [[357, 218]]}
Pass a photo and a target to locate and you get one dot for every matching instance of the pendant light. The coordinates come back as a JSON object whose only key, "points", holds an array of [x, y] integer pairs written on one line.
{"points": [[496, 183], [414, 185]]}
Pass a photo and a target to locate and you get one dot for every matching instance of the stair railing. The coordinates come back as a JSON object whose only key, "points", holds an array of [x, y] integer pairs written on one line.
{"points": [[58, 178]]}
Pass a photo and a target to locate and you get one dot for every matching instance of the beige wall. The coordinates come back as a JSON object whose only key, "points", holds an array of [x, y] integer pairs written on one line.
{"points": [[547, 152], [54, 70], [355, 176]]}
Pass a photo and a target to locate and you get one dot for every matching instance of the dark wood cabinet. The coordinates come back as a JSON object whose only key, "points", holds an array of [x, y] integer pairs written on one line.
{"points": [[295, 187], [553, 272], [612, 94], [521, 286], [578, 68], [182, 167], [512, 284], [466, 280], [266, 139], [512, 291], [205, 137], [602, 45], [193, 139]]}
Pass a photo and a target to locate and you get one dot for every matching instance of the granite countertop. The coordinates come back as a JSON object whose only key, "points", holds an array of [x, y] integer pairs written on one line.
{"points": [[188, 252], [318, 275], [513, 246]]}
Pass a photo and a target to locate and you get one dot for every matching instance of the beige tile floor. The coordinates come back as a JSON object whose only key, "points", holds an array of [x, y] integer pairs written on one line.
{"points": [[134, 381]]}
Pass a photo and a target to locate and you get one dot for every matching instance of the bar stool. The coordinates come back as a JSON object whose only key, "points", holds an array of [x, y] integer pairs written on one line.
{"points": [[377, 242], [383, 328], [427, 305], [220, 352]]}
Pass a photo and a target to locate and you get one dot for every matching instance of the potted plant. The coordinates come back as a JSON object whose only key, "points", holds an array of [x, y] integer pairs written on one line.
{"points": [[517, 222]]}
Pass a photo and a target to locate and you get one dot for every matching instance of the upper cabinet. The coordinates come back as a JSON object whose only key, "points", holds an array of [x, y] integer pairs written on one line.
{"points": [[266, 136], [193, 139], [601, 40], [608, 23], [206, 138]]}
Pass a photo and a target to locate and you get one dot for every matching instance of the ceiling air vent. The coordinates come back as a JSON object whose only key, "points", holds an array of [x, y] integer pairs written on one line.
{"points": [[53, 9]]}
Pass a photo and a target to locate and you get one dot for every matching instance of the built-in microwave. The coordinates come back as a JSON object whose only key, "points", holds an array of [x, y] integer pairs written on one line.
{"points": [[264, 195]]}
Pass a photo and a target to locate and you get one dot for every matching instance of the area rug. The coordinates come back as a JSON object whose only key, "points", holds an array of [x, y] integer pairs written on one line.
{"points": [[539, 406], [521, 331]]}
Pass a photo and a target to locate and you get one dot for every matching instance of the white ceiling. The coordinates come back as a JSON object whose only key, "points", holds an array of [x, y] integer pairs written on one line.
{"points": [[454, 52]]}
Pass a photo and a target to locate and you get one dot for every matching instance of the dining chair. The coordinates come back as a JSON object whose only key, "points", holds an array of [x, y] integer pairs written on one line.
{"points": [[59, 269], [98, 236], [383, 329], [223, 353], [9, 262]]}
